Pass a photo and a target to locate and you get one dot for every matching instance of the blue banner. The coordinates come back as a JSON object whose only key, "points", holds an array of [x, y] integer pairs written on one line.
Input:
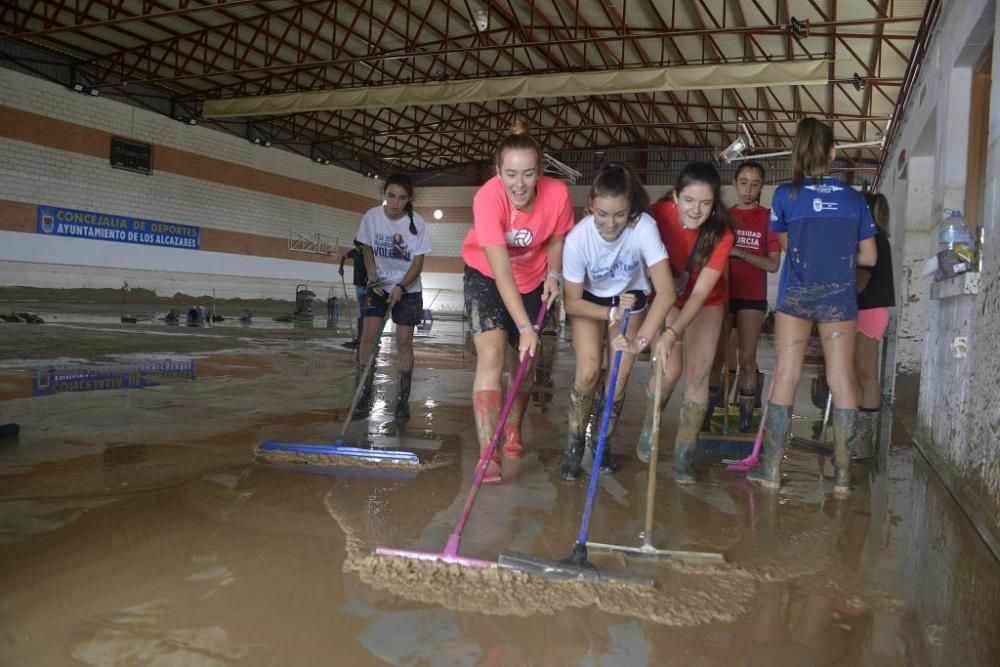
{"points": [[56, 221], [49, 380]]}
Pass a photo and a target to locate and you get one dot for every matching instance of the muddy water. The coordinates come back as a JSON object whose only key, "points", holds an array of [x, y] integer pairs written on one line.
{"points": [[136, 528]]}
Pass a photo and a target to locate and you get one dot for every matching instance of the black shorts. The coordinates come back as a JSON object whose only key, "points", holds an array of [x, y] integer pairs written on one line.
{"points": [[640, 300], [485, 310], [408, 311], [747, 304]]}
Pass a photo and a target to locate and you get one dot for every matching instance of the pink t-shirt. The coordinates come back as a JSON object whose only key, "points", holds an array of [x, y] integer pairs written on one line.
{"points": [[526, 235]]}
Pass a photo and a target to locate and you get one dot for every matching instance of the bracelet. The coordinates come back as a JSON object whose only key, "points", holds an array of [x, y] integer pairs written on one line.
{"points": [[400, 286], [673, 334], [524, 327], [555, 274], [613, 314], [643, 342]]}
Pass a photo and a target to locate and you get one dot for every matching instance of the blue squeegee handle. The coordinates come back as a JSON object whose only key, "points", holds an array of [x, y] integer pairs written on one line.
{"points": [[602, 438]]}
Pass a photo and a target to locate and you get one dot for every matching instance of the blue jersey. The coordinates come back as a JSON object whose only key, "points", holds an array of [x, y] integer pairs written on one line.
{"points": [[825, 221]]}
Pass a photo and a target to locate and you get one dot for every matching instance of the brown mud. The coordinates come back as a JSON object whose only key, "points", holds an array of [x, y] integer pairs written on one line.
{"points": [[137, 528]]}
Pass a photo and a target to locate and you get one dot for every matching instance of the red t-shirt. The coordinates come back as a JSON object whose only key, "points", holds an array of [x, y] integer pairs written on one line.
{"points": [[753, 234], [526, 235], [679, 242]]}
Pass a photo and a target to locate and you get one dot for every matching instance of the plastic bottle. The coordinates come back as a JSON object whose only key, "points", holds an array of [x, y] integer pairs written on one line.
{"points": [[954, 233]]}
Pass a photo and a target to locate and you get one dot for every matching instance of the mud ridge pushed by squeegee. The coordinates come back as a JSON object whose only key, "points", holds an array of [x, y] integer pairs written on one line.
{"points": [[330, 460]]}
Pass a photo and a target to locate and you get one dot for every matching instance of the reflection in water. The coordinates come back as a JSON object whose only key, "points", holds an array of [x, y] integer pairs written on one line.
{"points": [[50, 380]]}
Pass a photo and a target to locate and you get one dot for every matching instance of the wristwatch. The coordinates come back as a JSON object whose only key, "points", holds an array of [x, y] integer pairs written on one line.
{"points": [[401, 288], [643, 342]]}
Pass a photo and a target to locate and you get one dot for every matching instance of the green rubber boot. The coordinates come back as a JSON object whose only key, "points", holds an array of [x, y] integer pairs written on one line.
{"points": [[692, 414], [768, 471], [643, 446], [845, 428]]}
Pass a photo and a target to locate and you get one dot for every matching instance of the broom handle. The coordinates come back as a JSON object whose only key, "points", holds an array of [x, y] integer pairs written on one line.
{"points": [[609, 399], [364, 375], [452, 547], [654, 449]]}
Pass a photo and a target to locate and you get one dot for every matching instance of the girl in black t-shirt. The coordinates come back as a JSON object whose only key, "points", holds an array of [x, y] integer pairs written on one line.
{"points": [[876, 295]]}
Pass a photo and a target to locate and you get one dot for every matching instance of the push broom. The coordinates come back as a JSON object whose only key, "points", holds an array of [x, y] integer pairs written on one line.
{"points": [[646, 535], [577, 567], [340, 451], [450, 553]]}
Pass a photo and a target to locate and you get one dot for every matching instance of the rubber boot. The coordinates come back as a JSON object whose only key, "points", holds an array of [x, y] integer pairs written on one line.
{"points": [[768, 471], [644, 445], [714, 393], [845, 428], [364, 406], [403, 397], [353, 344], [747, 401], [692, 414], [486, 409], [608, 462], [579, 415], [513, 446], [864, 444], [760, 391]]}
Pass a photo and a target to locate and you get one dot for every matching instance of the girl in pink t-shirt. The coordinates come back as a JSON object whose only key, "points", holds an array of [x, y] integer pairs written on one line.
{"points": [[513, 257]]}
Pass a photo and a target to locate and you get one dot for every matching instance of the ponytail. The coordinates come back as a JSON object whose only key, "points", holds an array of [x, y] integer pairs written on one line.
{"points": [[409, 211]]}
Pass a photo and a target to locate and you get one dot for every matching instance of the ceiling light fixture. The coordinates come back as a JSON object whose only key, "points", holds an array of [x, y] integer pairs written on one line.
{"points": [[740, 145]]}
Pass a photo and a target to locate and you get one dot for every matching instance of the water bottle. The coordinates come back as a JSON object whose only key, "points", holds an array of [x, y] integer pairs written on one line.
{"points": [[954, 234]]}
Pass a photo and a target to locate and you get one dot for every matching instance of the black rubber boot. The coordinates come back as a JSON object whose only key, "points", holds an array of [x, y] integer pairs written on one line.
{"points": [[644, 445], [608, 462], [403, 396], [845, 428], [576, 444], [714, 393], [760, 390], [768, 471], [687, 439], [364, 406], [747, 402]]}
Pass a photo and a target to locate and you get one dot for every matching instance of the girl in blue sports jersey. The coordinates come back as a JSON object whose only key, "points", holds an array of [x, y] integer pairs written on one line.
{"points": [[826, 230]]}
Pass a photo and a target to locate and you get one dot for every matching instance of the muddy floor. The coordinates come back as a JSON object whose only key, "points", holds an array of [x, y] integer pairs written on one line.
{"points": [[136, 527]]}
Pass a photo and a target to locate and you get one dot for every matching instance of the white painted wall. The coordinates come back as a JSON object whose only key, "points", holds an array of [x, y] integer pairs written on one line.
{"points": [[958, 410]]}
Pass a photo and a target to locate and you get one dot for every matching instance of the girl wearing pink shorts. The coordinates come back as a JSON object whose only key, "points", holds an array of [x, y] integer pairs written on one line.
{"points": [[876, 295]]}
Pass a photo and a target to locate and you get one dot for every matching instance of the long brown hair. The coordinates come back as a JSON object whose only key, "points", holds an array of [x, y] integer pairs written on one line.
{"points": [[719, 223], [879, 206], [403, 181], [617, 180], [810, 151], [518, 139]]}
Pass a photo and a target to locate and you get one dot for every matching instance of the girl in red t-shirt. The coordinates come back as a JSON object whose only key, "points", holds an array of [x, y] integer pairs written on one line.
{"points": [[698, 233], [513, 258], [755, 253]]}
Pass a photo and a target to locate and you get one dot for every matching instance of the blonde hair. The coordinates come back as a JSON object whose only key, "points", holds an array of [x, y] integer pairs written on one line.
{"points": [[810, 151], [518, 139]]}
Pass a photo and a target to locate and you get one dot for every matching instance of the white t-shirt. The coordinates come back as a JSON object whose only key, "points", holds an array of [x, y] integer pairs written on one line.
{"points": [[393, 245], [608, 268]]}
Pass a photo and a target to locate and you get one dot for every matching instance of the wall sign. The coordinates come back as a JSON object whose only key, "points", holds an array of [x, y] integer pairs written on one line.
{"points": [[56, 221]]}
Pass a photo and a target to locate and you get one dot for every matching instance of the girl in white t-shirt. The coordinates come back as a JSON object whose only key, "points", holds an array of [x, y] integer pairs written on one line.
{"points": [[611, 261], [394, 240]]}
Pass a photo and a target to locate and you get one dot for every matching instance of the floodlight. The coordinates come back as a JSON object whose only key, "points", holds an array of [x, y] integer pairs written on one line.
{"points": [[740, 145]]}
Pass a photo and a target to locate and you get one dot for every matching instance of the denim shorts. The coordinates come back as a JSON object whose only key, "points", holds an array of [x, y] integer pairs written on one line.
{"points": [[408, 311]]}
